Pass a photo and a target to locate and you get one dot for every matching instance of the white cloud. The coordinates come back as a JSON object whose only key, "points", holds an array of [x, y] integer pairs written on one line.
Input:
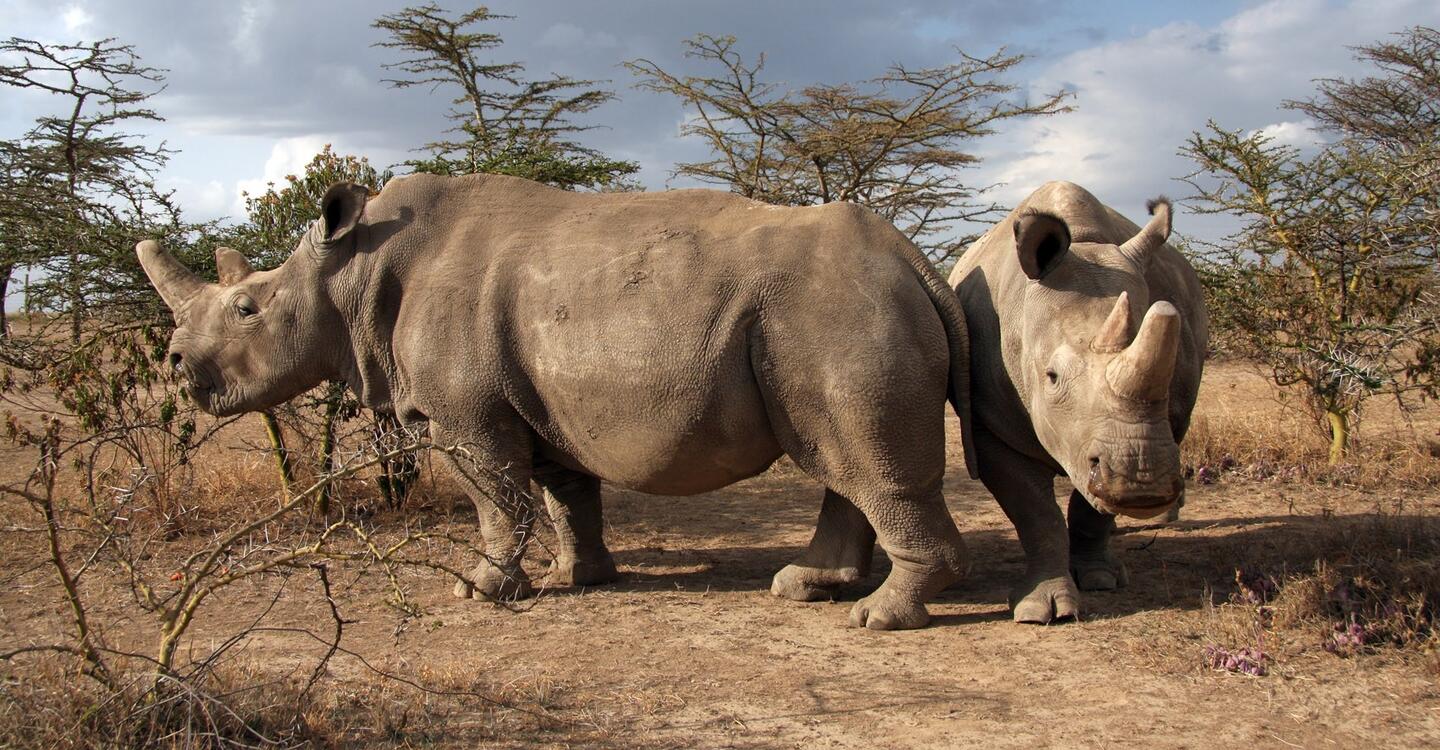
{"points": [[568, 36], [287, 157], [250, 29], [1298, 134], [1139, 99], [76, 19], [201, 201]]}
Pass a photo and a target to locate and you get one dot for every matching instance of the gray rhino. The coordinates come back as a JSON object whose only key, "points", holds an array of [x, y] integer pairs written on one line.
{"points": [[1066, 382], [671, 343]]}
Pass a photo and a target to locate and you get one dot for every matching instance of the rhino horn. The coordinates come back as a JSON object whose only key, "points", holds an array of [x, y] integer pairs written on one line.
{"points": [[232, 265], [171, 279], [1115, 331], [1144, 369], [1140, 247]]}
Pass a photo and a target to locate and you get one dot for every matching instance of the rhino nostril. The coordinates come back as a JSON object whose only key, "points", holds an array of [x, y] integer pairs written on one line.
{"points": [[175, 361]]}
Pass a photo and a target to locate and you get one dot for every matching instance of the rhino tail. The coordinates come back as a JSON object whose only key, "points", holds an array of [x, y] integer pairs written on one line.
{"points": [[952, 315]]}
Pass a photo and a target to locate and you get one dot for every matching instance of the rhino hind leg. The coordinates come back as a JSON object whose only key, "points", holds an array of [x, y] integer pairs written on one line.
{"points": [[895, 488], [1092, 561], [1024, 488], [839, 554], [926, 556], [573, 501]]}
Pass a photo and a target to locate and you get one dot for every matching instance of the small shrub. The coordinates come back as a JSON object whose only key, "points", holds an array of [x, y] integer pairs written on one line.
{"points": [[1374, 587]]}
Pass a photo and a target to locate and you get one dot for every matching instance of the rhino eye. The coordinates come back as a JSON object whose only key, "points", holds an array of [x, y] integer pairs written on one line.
{"points": [[1052, 376], [245, 307]]}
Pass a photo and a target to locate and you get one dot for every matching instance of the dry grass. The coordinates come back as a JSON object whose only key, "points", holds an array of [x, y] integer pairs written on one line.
{"points": [[1372, 588], [1244, 425], [246, 706], [1358, 590]]}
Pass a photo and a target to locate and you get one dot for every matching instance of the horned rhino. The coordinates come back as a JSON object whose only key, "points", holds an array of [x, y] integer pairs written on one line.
{"points": [[671, 343], [1087, 340]]}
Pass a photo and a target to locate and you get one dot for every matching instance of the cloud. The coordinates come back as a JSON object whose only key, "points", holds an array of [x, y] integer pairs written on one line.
{"points": [[1299, 134], [250, 29], [76, 19], [570, 36], [255, 87], [202, 200], [1138, 99], [287, 157]]}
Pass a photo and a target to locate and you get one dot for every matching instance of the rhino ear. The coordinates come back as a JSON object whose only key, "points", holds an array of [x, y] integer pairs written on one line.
{"points": [[232, 266], [341, 208], [1140, 248], [1040, 240]]}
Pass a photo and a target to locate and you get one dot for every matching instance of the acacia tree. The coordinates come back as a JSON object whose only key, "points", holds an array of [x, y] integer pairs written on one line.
{"points": [[25, 212], [96, 175], [896, 143], [1398, 111], [84, 195], [506, 123], [1332, 278]]}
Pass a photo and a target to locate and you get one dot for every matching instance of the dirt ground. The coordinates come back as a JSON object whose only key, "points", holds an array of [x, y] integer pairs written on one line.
{"points": [[690, 649]]}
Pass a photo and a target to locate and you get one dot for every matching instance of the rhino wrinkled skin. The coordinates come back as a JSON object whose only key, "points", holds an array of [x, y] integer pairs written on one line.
{"points": [[671, 343], [1087, 338]]}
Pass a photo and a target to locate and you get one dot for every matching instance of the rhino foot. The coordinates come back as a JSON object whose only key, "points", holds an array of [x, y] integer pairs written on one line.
{"points": [[1099, 574], [805, 584], [1045, 600], [573, 572], [885, 610], [493, 583]]}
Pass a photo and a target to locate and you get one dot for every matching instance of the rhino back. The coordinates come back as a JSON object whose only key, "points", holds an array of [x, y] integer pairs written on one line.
{"points": [[621, 326]]}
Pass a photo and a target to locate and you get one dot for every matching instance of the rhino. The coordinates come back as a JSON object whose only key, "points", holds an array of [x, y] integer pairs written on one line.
{"points": [[1087, 340], [670, 343]]}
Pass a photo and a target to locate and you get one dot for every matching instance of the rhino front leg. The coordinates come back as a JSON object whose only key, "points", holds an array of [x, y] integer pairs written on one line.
{"points": [[839, 554], [1092, 562], [1025, 490], [498, 483], [573, 501]]}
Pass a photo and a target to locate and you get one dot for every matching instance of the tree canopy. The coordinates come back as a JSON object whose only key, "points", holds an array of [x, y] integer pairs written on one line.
{"points": [[897, 143], [1331, 279], [505, 123]]}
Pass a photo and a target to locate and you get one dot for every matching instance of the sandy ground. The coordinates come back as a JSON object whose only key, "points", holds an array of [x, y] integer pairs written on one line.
{"points": [[690, 649]]}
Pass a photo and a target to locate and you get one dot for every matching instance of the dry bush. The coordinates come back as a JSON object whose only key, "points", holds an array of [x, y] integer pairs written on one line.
{"points": [[104, 535], [242, 705], [1245, 427], [1370, 585]]}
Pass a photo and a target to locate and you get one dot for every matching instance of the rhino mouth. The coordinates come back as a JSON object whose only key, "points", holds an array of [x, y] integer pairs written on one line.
{"points": [[202, 395], [209, 396], [1140, 496], [1138, 505]]}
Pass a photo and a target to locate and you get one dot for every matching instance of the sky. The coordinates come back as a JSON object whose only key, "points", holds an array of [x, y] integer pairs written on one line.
{"points": [[255, 88]]}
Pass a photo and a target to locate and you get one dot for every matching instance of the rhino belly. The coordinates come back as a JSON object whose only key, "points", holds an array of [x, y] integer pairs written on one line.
{"points": [[665, 441]]}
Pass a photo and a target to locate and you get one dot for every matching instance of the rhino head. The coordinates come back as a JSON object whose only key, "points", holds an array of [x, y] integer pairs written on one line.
{"points": [[1098, 384], [257, 339]]}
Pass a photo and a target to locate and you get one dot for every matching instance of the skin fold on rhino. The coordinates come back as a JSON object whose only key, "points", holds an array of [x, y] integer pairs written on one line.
{"points": [[671, 343], [1088, 336]]}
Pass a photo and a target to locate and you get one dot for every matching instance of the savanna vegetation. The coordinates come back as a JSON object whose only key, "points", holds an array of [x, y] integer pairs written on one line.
{"points": [[282, 579]]}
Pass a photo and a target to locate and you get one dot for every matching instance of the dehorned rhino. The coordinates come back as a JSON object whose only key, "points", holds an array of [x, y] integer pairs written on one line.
{"points": [[671, 343], [1087, 338]]}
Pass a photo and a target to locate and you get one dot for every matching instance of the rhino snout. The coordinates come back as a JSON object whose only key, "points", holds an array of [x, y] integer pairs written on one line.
{"points": [[1140, 484], [198, 382]]}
